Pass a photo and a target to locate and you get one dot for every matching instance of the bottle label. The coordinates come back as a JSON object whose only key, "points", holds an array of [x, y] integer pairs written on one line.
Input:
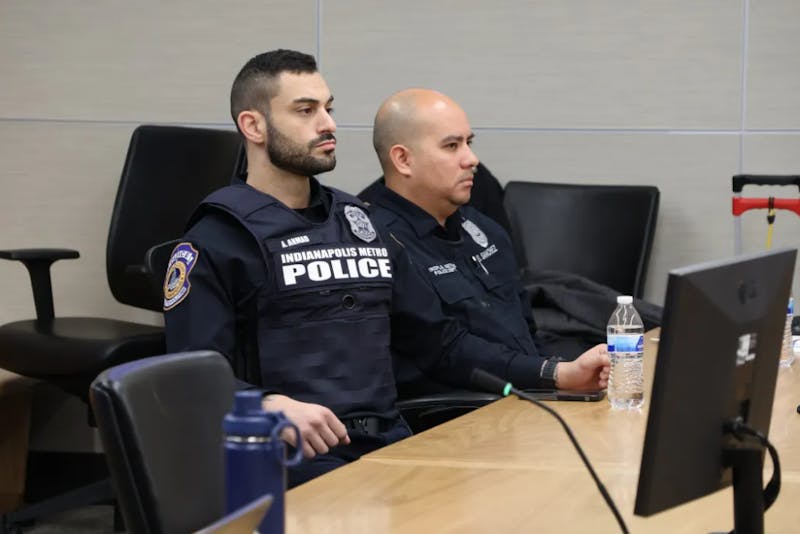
{"points": [[625, 343]]}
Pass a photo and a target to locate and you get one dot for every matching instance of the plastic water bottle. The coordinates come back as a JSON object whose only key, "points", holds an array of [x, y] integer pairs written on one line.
{"points": [[787, 347], [255, 458], [796, 336], [626, 351]]}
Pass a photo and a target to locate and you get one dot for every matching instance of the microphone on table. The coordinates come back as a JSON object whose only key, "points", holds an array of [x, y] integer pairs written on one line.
{"points": [[491, 383], [494, 384]]}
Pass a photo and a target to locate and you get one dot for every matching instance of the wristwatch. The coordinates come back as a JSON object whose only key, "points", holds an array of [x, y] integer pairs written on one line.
{"points": [[549, 372]]}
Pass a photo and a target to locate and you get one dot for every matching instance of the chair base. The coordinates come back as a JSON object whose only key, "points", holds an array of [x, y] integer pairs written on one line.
{"points": [[58, 482], [93, 493]]}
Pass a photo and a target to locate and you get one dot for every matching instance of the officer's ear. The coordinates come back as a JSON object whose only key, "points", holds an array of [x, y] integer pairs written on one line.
{"points": [[400, 156], [253, 126]]}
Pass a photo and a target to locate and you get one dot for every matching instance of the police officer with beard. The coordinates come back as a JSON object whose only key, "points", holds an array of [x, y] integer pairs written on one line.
{"points": [[288, 278]]}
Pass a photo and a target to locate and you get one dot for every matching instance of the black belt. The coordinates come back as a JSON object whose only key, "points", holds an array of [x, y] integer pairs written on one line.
{"points": [[369, 424]]}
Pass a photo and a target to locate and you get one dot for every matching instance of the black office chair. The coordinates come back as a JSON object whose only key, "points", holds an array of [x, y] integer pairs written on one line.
{"points": [[422, 413], [156, 258], [601, 232], [160, 420], [167, 171]]}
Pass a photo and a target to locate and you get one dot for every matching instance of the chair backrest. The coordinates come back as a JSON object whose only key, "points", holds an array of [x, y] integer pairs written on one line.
{"points": [[601, 232], [160, 421], [167, 172]]}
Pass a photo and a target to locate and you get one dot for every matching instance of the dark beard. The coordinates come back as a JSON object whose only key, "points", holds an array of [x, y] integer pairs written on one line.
{"points": [[292, 157]]}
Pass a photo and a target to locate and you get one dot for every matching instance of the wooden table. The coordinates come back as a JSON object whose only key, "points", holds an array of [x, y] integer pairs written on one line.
{"points": [[509, 467]]}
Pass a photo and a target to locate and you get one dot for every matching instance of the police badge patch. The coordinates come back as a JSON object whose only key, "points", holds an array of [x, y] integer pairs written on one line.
{"points": [[360, 224], [176, 283], [476, 233]]}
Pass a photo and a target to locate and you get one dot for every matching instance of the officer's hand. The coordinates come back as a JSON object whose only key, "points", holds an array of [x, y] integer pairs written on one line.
{"points": [[588, 372], [320, 428]]}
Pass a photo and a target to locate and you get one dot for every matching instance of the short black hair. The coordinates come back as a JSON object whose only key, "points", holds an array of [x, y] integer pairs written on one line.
{"points": [[255, 85]]}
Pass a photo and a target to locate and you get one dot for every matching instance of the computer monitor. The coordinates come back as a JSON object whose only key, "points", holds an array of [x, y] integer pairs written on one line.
{"points": [[717, 360]]}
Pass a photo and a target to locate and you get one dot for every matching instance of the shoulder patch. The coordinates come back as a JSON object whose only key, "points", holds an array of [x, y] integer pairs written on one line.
{"points": [[360, 224], [176, 283]]}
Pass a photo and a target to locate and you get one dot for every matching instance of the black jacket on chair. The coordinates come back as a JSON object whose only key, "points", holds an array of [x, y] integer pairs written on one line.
{"points": [[601, 232]]}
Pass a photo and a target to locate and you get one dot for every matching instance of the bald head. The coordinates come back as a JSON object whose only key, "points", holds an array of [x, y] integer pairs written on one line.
{"points": [[423, 140], [403, 117]]}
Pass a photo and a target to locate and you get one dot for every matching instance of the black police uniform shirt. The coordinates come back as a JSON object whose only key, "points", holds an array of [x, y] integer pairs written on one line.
{"points": [[298, 302], [457, 302]]}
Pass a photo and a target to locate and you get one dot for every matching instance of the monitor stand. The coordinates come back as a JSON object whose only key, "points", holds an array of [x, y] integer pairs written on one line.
{"points": [[748, 499]]}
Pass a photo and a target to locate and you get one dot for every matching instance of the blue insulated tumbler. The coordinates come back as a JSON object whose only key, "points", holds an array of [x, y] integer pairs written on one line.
{"points": [[255, 457]]}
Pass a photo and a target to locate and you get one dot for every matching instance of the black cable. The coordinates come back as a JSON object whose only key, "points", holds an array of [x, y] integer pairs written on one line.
{"points": [[737, 427], [600, 486], [770, 492], [491, 383]]}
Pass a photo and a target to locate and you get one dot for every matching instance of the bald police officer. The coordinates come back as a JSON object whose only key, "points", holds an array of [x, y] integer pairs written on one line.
{"points": [[457, 303]]}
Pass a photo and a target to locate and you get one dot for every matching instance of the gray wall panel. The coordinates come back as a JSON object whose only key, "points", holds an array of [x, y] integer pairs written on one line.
{"points": [[665, 64], [773, 68], [138, 61], [772, 154]]}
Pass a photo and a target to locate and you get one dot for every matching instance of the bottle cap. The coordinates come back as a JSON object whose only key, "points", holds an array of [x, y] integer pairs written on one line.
{"points": [[624, 299], [247, 418]]}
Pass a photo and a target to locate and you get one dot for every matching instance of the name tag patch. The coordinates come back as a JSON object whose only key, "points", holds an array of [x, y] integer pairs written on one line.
{"points": [[294, 241], [331, 265], [484, 254], [445, 268]]}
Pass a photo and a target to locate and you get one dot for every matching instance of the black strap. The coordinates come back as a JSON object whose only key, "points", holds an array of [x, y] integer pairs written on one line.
{"points": [[369, 425]]}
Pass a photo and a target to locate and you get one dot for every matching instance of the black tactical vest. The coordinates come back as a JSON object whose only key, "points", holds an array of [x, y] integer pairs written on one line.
{"points": [[323, 315]]}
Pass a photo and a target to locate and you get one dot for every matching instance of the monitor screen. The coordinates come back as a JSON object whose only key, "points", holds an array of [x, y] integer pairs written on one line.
{"points": [[717, 359]]}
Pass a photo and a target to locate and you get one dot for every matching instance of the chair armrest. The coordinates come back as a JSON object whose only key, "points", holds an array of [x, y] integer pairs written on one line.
{"points": [[456, 399], [139, 268], [422, 413], [38, 261], [156, 260]]}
